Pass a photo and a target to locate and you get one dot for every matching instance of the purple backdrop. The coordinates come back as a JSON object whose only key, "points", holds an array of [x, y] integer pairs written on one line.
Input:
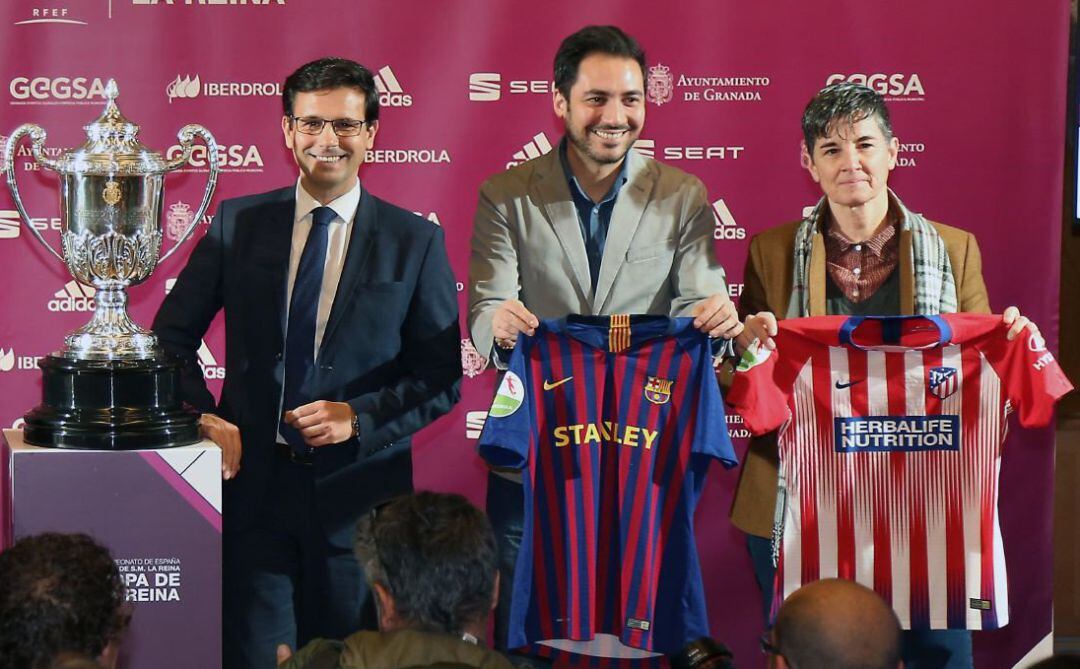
{"points": [[977, 99]]}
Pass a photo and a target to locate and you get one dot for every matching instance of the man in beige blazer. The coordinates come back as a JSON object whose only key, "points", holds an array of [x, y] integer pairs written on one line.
{"points": [[589, 228], [860, 251]]}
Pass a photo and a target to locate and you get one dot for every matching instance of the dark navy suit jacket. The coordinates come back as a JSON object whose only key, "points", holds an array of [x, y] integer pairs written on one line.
{"points": [[391, 347]]}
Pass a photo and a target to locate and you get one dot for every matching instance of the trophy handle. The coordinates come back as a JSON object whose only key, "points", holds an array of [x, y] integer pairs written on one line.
{"points": [[37, 136], [186, 136]]}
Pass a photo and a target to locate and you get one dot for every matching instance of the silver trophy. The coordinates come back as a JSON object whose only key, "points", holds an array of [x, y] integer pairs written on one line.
{"points": [[110, 214], [110, 386]]}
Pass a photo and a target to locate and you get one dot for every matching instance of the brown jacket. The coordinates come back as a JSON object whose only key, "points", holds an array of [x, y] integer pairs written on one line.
{"points": [[768, 281]]}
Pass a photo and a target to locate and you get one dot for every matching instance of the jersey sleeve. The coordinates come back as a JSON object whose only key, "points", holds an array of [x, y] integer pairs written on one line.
{"points": [[710, 432], [754, 392], [1031, 377], [508, 429]]}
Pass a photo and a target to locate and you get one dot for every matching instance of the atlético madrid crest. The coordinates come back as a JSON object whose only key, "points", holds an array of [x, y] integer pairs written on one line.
{"points": [[943, 382], [660, 84], [657, 390]]}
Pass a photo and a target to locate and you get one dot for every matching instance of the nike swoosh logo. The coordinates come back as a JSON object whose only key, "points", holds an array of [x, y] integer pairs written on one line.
{"points": [[841, 386], [549, 386]]}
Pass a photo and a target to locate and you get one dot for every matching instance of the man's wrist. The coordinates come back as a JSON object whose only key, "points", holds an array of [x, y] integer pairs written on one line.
{"points": [[355, 423]]}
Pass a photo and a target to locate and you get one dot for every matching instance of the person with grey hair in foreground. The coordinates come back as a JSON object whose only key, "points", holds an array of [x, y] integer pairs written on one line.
{"points": [[834, 624], [430, 560]]}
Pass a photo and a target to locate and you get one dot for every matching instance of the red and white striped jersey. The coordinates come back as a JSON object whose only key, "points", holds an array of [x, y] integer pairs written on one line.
{"points": [[890, 447]]}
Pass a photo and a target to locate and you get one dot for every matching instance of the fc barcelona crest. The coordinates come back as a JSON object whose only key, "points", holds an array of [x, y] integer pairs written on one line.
{"points": [[657, 390], [944, 381]]}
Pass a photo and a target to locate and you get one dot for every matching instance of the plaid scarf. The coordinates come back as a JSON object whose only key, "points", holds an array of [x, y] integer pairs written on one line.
{"points": [[935, 287]]}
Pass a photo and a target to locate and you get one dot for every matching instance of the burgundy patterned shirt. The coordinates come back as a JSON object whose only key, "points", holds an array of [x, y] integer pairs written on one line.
{"points": [[859, 268]]}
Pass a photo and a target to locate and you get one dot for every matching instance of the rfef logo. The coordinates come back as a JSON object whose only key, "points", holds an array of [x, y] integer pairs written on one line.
{"points": [[74, 296], [61, 15]]}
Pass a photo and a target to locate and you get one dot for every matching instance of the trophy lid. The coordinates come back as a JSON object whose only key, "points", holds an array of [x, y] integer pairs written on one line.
{"points": [[112, 146]]}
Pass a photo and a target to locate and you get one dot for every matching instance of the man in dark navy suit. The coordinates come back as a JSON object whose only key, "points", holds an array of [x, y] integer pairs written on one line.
{"points": [[341, 341]]}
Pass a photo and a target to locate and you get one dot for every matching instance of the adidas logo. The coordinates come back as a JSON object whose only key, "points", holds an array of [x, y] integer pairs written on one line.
{"points": [[7, 360], [209, 364], [391, 94], [534, 149], [646, 147], [726, 227], [74, 296], [474, 424], [9, 224]]}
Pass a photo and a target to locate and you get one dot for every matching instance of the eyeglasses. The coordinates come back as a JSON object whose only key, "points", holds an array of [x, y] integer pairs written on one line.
{"points": [[313, 125]]}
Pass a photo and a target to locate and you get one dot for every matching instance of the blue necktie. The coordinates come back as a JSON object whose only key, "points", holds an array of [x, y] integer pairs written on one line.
{"points": [[300, 330]]}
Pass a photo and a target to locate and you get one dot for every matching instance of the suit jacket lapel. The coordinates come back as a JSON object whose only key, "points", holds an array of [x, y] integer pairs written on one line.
{"points": [[550, 187], [274, 243], [361, 243], [625, 218]]}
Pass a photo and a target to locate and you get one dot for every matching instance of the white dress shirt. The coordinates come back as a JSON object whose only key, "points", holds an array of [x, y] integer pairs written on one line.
{"points": [[337, 244], [338, 235]]}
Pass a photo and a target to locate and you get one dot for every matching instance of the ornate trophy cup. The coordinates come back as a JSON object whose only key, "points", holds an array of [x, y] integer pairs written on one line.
{"points": [[111, 386]]}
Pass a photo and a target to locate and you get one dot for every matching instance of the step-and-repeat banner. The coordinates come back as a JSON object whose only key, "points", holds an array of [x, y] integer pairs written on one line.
{"points": [[977, 99]]}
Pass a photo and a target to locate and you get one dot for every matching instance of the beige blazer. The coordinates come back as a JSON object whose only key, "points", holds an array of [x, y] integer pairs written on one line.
{"points": [[768, 281], [527, 244]]}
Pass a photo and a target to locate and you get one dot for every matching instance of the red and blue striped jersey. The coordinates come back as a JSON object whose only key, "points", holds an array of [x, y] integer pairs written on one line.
{"points": [[616, 419], [891, 432]]}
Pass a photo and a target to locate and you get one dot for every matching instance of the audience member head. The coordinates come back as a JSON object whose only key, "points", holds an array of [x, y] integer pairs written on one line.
{"points": [[59, 594], [430, 559], [836, 624]]}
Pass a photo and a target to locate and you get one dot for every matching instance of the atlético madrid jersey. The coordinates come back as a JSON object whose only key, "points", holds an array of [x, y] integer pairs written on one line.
{"points": [[616, 419], [890, 447]]}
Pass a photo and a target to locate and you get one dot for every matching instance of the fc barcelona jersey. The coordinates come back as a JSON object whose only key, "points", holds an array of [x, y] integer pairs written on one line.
{"points": [[616, 420], [890, 447]]}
